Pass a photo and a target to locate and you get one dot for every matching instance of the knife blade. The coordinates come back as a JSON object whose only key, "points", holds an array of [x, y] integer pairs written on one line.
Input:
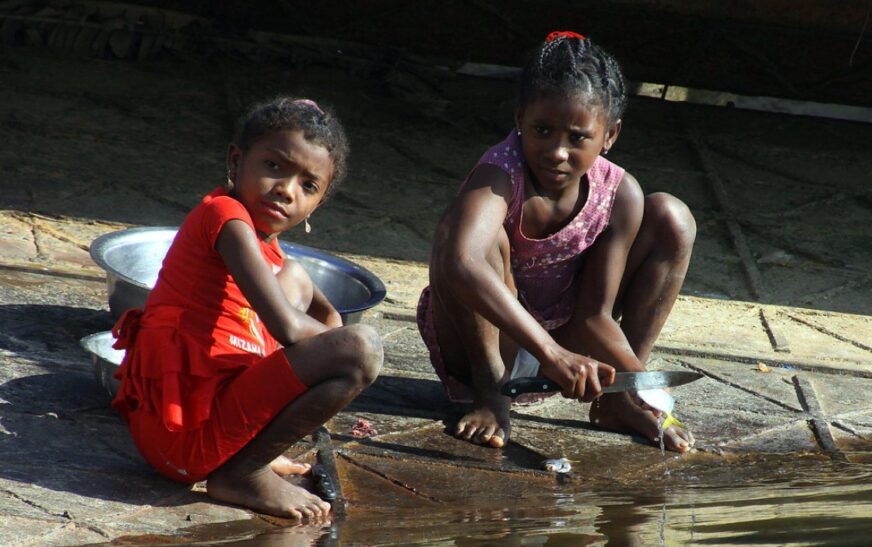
{"points": [[624, 381]]}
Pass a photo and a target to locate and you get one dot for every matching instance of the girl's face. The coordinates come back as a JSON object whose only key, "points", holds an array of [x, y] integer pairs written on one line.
{"points": [[281, 178], [561, 138]]}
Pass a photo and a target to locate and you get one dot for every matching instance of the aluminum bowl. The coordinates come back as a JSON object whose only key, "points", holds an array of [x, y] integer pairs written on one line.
{"points": [[132, 259], [105, 358]]}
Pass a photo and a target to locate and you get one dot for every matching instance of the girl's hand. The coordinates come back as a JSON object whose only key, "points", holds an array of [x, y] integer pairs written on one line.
{"points": [[579, 377]]}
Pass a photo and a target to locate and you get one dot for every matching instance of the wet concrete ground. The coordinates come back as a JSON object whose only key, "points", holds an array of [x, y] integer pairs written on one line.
{"points": [[775, 312]]}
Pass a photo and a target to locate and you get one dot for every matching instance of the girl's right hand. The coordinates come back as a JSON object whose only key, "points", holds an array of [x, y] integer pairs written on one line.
{"points": [[579, 377]]}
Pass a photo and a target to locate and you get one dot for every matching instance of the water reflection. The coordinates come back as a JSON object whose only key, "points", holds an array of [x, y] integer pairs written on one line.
{"points": [[760, 501]]}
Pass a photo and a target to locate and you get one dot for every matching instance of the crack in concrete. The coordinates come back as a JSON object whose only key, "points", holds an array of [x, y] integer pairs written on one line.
{"points": [[782, 363], [33, 504], [828, 332], [384, 476], [740, 387], [456, 462], [35, 221], [52, 272], [392, 434], [846, 428]]}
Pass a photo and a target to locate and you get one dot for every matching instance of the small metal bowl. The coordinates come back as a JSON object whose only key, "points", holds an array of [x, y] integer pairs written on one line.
{"points": [[132, 259], [105, 358]]}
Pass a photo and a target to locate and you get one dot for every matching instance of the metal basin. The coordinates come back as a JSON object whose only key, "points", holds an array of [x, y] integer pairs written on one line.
{"points": [[132, 259], [105, 358]]}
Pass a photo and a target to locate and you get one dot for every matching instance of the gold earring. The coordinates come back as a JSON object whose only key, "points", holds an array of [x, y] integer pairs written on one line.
{"points": [[307, 226]]}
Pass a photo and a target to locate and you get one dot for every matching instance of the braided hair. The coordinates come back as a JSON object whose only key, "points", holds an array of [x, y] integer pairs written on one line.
{"points": [[319, 126], [569, 64]]}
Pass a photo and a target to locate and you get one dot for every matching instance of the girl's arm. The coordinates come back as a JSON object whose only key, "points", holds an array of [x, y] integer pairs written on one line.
{"points": [[322, 310], [304, 295], [239, 247], [604, 268], [467, 234]]}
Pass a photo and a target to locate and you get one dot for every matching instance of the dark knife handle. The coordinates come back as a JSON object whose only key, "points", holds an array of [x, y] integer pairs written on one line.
{"points": [[519, 386]]}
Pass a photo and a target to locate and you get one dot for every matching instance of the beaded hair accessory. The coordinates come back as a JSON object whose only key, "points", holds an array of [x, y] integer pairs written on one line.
{"points": [[563, 34]]}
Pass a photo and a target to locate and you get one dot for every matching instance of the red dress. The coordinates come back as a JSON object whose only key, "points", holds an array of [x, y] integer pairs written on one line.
{"points": [[201, 376]]}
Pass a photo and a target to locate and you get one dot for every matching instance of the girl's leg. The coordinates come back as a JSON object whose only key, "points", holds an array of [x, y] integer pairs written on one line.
{"points": [[655, 271], [475, 353], [336, 365]]}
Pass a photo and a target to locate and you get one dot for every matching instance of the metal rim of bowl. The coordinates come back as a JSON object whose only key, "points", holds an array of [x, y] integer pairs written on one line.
{"points": [[91, 343], [103, 243]]}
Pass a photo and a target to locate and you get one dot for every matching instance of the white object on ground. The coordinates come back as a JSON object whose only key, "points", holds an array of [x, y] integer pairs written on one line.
{"points": [[558, 465], [658, 398]]}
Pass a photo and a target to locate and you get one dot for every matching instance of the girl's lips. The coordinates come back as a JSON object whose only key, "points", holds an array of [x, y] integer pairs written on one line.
{"points": [[275, 210], [555, 174]]}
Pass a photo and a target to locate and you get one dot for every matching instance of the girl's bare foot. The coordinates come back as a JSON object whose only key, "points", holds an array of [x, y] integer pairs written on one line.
{"points": [[618, 412], [284, 466], [487, 423], [264, 491]]}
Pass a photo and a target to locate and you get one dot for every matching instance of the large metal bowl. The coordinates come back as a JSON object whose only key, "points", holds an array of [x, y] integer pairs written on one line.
{"points": [[105, 358], [132, 259]]}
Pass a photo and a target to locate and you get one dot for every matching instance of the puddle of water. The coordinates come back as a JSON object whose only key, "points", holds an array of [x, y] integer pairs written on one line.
{"points": [[759, 500]]}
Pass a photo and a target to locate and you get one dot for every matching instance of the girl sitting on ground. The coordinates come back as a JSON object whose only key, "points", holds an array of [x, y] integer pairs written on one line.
{"points": [[237, 354], [552, 256]]}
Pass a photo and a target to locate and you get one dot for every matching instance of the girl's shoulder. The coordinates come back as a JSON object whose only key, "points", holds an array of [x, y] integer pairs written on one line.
{"points": [[500, 167], [208, 218], [219, 206], [606, 174], [506, 155]]}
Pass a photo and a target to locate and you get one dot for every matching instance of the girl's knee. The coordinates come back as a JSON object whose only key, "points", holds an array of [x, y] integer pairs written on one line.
{"points": [[365, 345], [675, 224]]}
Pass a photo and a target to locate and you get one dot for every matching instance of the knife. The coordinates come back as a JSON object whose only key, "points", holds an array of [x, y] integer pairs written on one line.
{"points": [[624, 381]]}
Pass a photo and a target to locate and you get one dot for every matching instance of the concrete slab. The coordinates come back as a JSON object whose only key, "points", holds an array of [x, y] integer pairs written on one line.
{"points": [[141, 148]]}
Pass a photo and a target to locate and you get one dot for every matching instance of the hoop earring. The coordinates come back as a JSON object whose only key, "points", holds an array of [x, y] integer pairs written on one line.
{"points": [[307, 226]]}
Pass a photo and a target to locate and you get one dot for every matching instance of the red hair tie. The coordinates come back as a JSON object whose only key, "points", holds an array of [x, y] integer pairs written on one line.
{"points": [[563, 34]]}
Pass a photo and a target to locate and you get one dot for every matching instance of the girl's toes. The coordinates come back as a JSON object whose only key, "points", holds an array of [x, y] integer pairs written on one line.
{"points": [[468, 431], [677, 440], [486, 433], [498, 439]]}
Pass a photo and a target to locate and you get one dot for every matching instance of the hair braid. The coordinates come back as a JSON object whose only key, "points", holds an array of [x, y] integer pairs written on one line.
{"points": [[575, 66]]}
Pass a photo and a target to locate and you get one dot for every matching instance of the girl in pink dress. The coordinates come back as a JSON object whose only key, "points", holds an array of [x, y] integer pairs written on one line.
{"points": [[552, 253]]}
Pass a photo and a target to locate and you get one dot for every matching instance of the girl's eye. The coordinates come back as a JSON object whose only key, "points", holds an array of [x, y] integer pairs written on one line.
{"points": [[273, 166], [576, 138], [542, 130], [310, 187]]}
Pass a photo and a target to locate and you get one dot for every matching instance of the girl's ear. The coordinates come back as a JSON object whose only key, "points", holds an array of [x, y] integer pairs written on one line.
{"points": [[234, 153], [612, 135], [519, 113]]}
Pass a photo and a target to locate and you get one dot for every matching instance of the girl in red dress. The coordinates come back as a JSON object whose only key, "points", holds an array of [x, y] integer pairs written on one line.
{"points": [[237, 355]]}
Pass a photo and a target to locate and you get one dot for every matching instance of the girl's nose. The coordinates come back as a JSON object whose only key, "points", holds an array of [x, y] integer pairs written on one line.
{"points": [[285, 189], [559, 152]]}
